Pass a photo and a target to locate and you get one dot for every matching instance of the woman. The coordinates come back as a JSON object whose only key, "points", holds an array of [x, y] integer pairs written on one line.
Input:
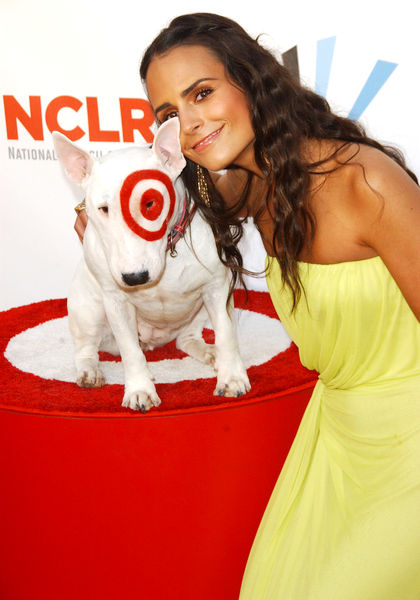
{"points": [[339, 216]]}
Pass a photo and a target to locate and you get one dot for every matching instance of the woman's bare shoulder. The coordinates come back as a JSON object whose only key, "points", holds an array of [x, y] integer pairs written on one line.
{"points": [[375, 181], [386, 206]]}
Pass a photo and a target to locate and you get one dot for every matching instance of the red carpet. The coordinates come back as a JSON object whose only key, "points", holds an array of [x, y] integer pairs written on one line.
{"points": [[26, 392]]}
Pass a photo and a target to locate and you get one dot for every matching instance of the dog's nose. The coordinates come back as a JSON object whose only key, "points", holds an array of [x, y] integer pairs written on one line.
{"points": [[136, 278]]}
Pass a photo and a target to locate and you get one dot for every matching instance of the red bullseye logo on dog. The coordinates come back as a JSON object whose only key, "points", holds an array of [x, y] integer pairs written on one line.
{"points": [[151, 204], [147, 200]]}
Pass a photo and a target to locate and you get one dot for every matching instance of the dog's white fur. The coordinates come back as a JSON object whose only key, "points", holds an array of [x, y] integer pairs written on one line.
{"points": [[180, 292]]}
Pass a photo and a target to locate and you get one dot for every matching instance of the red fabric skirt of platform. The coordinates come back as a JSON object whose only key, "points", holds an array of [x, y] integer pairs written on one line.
{"points": [[100, 502]]}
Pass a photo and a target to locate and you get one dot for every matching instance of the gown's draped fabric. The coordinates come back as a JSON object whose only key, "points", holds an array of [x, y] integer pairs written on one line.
{"points": [[343, 522]]}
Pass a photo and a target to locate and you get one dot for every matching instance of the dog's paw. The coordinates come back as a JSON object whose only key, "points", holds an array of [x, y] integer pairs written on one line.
{"points": [[210, 355], [233, 386], [198, 349], [90, 378], [140, 400]]}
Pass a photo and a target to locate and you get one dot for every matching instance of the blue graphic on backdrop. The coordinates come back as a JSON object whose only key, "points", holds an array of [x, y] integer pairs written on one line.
{"points": [[324, 57], [377, 78]]}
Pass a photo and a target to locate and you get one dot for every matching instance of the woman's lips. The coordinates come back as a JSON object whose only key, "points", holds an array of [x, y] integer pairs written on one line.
{"points": [[205, 142]]}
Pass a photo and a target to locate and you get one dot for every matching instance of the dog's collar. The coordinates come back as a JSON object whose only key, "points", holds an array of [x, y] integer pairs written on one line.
{"points": [[184, 220]]}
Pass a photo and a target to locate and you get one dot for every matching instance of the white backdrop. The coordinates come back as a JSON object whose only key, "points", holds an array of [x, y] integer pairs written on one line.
{"points": [[91, 49]]}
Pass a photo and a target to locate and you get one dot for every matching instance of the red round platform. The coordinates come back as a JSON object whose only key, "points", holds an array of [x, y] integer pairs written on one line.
{"points": [[104, 503]]}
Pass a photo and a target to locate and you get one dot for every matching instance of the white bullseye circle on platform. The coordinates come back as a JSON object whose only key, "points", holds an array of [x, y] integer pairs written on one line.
{"points": [[47, 351]]}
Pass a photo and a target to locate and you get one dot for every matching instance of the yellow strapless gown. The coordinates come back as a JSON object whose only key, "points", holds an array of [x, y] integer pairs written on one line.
{"points": [[343, 522]]}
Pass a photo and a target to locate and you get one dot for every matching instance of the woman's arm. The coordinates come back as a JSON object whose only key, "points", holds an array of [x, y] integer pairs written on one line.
{"points": [[80, 224], [387, 201]]}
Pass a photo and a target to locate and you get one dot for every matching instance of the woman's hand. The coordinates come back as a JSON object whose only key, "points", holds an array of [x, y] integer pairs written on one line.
{"points": [[81, 221]]}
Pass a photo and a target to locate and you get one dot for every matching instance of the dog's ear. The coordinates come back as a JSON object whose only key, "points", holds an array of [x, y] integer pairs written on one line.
{"points": [[167, 147], [76, 162]]}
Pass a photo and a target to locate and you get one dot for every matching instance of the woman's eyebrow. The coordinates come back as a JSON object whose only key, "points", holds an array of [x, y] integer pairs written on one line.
{"points": [[185, 92]]}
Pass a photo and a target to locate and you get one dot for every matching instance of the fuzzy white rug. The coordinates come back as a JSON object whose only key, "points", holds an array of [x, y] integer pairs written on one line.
{"points": [[47, 351]]}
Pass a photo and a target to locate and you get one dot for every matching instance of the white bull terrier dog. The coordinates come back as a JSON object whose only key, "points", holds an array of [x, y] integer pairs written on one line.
{"points": [[130, 283]]}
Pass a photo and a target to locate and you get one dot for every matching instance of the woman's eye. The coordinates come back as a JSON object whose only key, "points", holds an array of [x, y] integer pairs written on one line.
{"points": [[170, 115], [104, 209], [203, 93]]}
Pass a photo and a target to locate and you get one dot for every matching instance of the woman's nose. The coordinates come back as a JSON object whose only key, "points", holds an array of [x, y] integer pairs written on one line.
{"points": [[190, 120]]}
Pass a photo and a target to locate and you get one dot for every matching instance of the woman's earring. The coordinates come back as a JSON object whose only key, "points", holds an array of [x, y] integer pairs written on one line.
{"points": [[203, 190]]}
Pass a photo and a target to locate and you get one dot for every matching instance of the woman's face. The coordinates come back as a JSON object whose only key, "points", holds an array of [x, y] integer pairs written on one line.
{"points": [[191, 83]]}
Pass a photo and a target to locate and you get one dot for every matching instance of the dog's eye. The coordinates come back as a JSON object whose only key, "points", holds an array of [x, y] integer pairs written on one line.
{"points": [[104, 209], [151, 204]]}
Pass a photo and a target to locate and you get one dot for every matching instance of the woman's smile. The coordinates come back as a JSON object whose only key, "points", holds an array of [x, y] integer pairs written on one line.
{"points": [[205, 143], [216, 129]]}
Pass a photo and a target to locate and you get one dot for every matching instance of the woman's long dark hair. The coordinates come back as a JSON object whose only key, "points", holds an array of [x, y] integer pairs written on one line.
{"points": [[284, 114]]}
